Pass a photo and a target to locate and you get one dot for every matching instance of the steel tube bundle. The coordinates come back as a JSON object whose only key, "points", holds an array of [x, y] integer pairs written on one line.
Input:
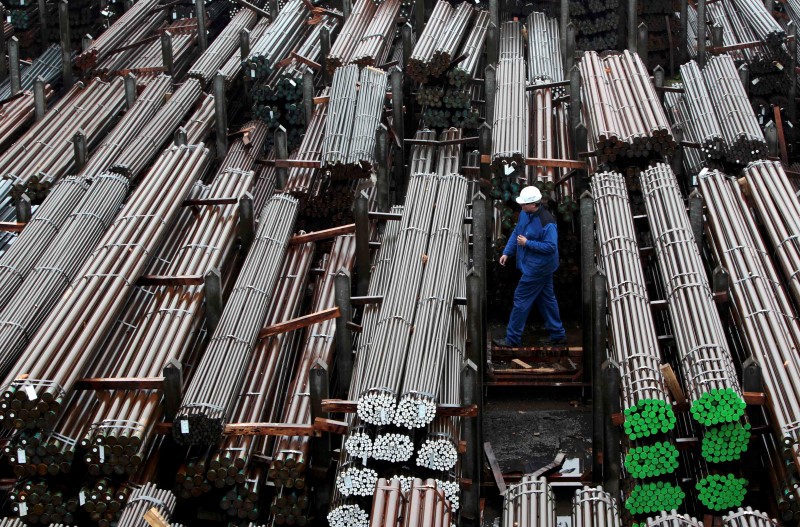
{"points": [[112, 37], [145, 146], [209, 399], [594, 507], [680, 115], [530, 502], [544, 49], [510, 127], [233, 66], [449, 40], [761, 21], [472, 50], [633, 337], [388, 504], [747, 517], [17, 114], [47, 66], [701, 112], [340, 118], [378, 35], [199, 124], [165, 328], [709, 375], [45, 152], [673, 519], [542, 132], [764, 311], [278, 40], [32, 242], [149, 61], [71, 335], [290, 454], [368, 115], [427, 505], [744, 140], [223, 48], [301, 179], [142, 500], [38, 502], [353, 31], [420, 62], [59, 260], [134, 43]]}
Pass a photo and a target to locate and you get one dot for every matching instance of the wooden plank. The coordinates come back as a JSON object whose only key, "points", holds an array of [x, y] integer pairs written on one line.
{"points": [[734, 47], [11, 226], [672, 383], [543, 86], [209, 202], [300, 322], [299, 239], [297, 163], [323, 99], [154, 518], [555, 163], [164, 280], [617, 419], [496, 472], [443, 410], [522, 364], [119, 383], [486, 159], [781, 136], [755, 398], [308, 62], [332, 426]]}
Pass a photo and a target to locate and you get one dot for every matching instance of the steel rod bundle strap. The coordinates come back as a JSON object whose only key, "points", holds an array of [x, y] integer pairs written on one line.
{"points": [[530, 502], [747, 517], [142, 500], [673, 519], [594, 507]]}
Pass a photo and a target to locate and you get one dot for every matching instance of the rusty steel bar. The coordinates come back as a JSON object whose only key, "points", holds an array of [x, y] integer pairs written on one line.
{"points": [[421, 61], [378, 35], [278, 40], [17, 114], [353, 31], [47, 66], [223, 48]]}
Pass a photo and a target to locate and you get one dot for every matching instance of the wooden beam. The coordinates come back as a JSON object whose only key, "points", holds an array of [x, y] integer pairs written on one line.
{"points": [[308, 62], [154, 518], [755, 398], [555, 163], [299, 322], [781, 136], [496, 472], [672, 383], [556, 84], [119, 383], [210, 202], [442, 410], [163, 280], [11, 226], [299, 239], [297, 163], [329, 425], [323, 99], [734, 47]]}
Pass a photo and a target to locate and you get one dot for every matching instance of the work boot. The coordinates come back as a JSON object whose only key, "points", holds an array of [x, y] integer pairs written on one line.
{"points": [[502, 343]]}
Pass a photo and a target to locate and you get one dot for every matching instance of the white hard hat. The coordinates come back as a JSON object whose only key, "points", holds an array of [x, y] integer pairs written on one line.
{"points": [[529, 195]]}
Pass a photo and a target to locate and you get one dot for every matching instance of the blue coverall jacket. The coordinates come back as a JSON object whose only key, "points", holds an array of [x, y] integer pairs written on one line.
{"points": [[537, 261]]}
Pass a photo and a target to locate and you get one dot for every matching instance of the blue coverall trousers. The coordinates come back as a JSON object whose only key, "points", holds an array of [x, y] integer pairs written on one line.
{"points": [[534, 290]]}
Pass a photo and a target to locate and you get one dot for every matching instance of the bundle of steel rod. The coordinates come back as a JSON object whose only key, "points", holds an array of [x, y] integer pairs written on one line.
{"points": [[340, 116], [290, 454], [146, 144], [262, 393], [594, 507], [165, 327], [242, 501], [530, 502], [301, 179], [701, 120], [45, 152], [427, 505], [379, 381], [567, 202], [278, 40], [421, 60], [378, 35], [368, 116], [449, 40], [634, 345], [346, 512], [543, 140], [142, 500], [544, 50], [233, 66], [18, 113], [625, 116], [388, 504], [199, 124], [777, 205], [511, 116], [763, 307], [223, 48], [596, 22], [59, 353], [432, 321], [353, 31], [112, 37], [512, 46], [127, 50], [761, 21], [680, 116], [673, 519], [104, 500], [744, 140], [709, 376], [288, 507], [209, 399], [472, 51], [50, 268], [149, 61], [747, 517], [47, 66], [37, 502]]}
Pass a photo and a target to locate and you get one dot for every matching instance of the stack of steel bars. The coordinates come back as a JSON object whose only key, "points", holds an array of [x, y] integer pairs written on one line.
{"points": [[47, 66], [624, 115], [449, 40], [17, 113], [149, 61], [510, 126], [211, 395], [530, 502], [224, 46], [544, 50], [596, 23], [769, 330], [747, 517], [71, 335], [543, 133], [142, 500], [744, 140], [428, 505], [341, 114], [233, 66], [388, 504], [37, 502], [353, 32], [594, 507], [277, 41], [761, 21], [701, 120], [369, 112], [300, 179], [135, 41], [421, 60], [673, 519], [112, 37], [472, 51], [680, 116], [377, 39], [709, 375], [45, 152], [634, 344]]}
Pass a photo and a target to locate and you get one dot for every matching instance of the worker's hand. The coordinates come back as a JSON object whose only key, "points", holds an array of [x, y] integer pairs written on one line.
{"points": [[503, 259], [522, 240]]}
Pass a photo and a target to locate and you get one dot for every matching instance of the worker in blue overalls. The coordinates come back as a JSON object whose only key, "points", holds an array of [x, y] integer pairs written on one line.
{"points": [[534, 243]]}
